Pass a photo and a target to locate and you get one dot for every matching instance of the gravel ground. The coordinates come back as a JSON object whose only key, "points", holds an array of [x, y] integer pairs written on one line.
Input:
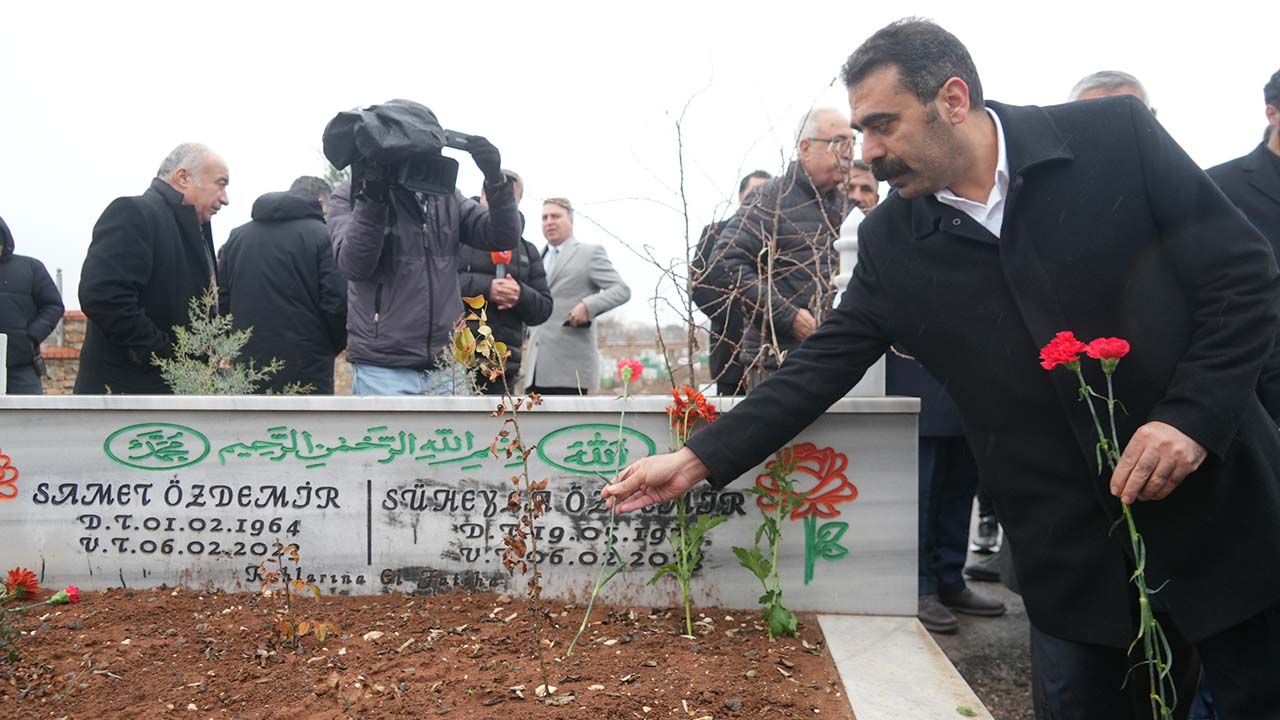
{"points": [[993, 654]]}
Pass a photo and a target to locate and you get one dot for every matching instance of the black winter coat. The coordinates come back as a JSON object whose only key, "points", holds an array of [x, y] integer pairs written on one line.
{"points": [[1109, 230], [149, 257], [786, 213], [276, 275], [30, 305], [713, 293], [476, 270], [1252, 182]]}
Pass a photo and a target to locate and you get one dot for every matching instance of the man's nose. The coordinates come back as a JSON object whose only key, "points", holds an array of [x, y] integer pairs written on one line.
{"points": [[871, 150]]}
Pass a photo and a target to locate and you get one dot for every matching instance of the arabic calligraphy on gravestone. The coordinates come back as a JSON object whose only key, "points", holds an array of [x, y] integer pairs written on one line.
{"points": [[194, 518]]}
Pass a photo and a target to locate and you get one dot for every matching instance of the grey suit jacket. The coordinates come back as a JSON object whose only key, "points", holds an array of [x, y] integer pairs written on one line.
{"points": [[564, 356]]}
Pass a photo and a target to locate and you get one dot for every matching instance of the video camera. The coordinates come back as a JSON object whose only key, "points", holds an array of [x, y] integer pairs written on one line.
{"points": [[397, 143]]}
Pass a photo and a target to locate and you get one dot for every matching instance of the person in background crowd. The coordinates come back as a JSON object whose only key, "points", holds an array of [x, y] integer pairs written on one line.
{"points": [[150, 255], [861, 187], [515, 285], [1109, 83], [713, 295], [398, 249], [30, 308], [584, 285], [277, 277], [777, 250]]}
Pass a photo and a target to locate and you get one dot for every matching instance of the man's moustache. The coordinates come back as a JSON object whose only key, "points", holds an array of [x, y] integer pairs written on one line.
{"points": [[886, 168]]}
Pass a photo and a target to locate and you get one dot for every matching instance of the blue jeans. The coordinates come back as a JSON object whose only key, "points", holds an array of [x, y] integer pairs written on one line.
{"points": [[442, 382]]}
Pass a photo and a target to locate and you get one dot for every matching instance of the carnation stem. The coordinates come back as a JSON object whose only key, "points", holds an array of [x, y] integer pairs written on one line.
{"points": [[1155, 645], [602, 578]]}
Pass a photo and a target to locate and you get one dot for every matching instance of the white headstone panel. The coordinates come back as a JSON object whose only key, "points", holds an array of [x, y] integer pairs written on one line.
{"points": [[404, 494]]}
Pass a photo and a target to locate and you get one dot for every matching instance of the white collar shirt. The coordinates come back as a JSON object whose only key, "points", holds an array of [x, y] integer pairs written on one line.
{"points": [[990, 214]]}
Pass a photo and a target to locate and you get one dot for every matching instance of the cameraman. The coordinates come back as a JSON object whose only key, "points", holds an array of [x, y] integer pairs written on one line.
{"points": [[399, 250]]}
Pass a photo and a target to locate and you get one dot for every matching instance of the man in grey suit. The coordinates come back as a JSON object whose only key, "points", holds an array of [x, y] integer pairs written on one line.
{"points": [[562, 352]]}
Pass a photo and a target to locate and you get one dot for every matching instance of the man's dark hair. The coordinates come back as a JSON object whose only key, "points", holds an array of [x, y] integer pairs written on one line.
{"points": [[926, 57], [742, 184], [311, 187], [1271, 91]]}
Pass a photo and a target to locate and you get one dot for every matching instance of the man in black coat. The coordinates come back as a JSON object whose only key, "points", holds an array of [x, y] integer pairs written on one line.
{"points": [[518, 296], [150, 255], [1011, 224], [276, 275], [777, 251], [1252, 182], [30, 307], [713, 294]]}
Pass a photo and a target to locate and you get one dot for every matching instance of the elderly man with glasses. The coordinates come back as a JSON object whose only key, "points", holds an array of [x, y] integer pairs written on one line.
{"points": [[776, 251]]}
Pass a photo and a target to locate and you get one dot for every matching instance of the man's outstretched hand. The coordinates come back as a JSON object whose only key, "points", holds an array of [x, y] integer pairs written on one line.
{"points": [[655, 479]]}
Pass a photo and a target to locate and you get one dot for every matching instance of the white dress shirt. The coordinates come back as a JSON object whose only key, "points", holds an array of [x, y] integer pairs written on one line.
{"points": [[991, 213]]}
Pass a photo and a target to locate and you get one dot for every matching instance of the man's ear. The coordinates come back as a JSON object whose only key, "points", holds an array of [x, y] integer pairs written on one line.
{"points": [[1273, 116], [953, 100], [182, 178]]}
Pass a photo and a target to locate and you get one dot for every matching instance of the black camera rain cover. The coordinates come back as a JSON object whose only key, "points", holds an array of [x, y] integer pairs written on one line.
{"points": [[386, 134]]}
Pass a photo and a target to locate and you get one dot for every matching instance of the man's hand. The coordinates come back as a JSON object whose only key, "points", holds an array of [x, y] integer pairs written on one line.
{"points": [[804, 325], [579, 315], [1155, 462], [504, 292], [487, 158], [655, 479]]}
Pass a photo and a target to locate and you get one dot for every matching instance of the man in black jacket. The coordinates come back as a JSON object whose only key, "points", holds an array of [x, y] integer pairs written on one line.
{"points": [[518, 295], [276, 275], [149, 256], [1000, 235], [1252, 182], [777, 251], [30, 307], [711, 291]]}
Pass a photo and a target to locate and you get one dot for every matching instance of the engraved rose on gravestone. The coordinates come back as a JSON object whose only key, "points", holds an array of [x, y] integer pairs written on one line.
{"points": [[8, 478]]}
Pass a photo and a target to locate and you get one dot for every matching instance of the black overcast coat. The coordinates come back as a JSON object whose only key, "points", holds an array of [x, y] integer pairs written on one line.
{"points": [[148, 258], [1109, 230], [1252, 182], [777, 252], [30, 305], [276, 275]]}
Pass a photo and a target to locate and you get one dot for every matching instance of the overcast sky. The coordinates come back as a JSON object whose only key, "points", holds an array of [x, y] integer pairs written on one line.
{"points": [[581, 98]]}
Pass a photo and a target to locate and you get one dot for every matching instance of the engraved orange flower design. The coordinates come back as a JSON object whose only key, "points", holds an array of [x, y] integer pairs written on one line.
{"points": [[821, 470], [8, 476]]}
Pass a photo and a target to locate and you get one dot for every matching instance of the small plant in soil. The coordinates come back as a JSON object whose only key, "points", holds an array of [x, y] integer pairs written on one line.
{"points": [[205, 352], [281, 586], [764, 565], [528, 500], [686, 540]]}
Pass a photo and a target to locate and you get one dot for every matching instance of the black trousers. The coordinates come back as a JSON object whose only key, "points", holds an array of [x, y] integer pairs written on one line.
{"points": [[948, 479], [23, 381], [1077, 681]]}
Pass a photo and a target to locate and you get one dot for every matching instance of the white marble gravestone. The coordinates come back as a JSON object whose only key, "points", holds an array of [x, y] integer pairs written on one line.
{"points": [[386, 494]]}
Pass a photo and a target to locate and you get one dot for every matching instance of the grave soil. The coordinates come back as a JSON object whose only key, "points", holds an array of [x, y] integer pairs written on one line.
{"points": [[184, 653]]}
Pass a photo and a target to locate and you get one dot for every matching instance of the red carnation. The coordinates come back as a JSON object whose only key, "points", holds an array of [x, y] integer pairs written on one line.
{"points": [[1063, 349], [629, 370], [69, 594], [1111, 348]]}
